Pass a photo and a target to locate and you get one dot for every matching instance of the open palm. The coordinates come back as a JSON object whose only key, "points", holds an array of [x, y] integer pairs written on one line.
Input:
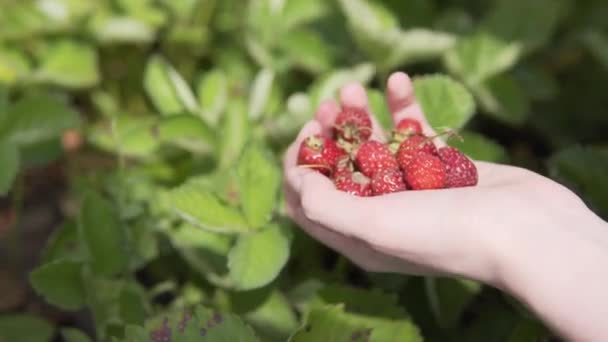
{"points": [[448, 231]]}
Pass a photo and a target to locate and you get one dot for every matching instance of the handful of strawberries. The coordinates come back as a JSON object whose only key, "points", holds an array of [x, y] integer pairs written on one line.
{"points": [[364, 167]]}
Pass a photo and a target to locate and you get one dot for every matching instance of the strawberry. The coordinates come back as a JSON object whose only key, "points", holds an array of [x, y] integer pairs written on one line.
{"points": [[354, 183], [373, 156], [461, 171], [388, 181], [412, 147], [320, 153], [408, 127], [425, 171], [353, 125]]}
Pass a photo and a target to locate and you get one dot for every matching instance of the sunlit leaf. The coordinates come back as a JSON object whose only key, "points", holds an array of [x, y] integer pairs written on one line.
{"points": [[481, 56], [212, 94], [70, 64], [14, 65], [203, 209], [260, 93], [445, 102], [257, 258], [259, 181]]}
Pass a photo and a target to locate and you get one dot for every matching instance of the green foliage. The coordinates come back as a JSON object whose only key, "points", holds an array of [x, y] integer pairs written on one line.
{"points": [[27, 328], [256, 259], [60, 282], [185, 109]]}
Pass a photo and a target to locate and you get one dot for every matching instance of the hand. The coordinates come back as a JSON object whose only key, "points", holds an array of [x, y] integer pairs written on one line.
{"points": [[464, 231]]}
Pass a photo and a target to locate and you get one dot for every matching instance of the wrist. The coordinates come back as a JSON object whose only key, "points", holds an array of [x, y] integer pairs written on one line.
{"points": [[557, 268]]}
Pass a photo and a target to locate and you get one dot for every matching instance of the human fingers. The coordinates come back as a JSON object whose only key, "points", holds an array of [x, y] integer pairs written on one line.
{"points": [[403, 104], [326, 116]]}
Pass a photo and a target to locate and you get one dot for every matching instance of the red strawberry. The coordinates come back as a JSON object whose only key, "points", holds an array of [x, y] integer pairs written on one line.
{"points": [[426, 172], [409, 126], [373, 156], [354, 183], [320, 153], [353, 124], [412, 147], [388, 181], [461, 171]]}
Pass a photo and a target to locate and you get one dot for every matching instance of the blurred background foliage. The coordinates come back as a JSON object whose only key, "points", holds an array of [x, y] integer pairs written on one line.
{"points": [[160, 125]]}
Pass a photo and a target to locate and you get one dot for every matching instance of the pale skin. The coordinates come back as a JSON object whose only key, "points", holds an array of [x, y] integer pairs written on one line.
{"points": [[516, 230]]}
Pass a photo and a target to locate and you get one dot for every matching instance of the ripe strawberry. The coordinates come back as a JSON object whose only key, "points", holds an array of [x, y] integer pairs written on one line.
{"points": [[388, 181], [354, 183], [408, 127], [461, 171], [412, 147], [426, 171], [373, 156], [320, 153], [353, 124]]}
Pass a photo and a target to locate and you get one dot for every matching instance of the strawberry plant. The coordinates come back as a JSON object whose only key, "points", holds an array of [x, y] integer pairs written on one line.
{"points": [[141, 145]]}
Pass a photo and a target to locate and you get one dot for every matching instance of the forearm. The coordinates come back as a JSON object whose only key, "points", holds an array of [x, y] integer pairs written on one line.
{"points": [[563, 276]]}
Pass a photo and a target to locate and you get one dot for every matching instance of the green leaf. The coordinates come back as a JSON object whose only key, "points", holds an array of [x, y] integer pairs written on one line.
{"points": [[142, 136], [364, 302], [479, 147], [212, 94], [257, 258], [108, 27], [205, 251], [415, 45], [203, 209], [536, 21], [274, 319], [307, 49], [70, 64], [377, 33], [64, 244], [74, 335], [481, 56], [259, 181], [377, 103], [133, 304], [327, 87], [36, 118], [201, 324], [449, 297], [101, 231], [297, 13], [167, 89], [331, 323], [234, 134], [9, 159], [260, 93], [185, 131], [584, 169], [14, 65], [103, 300], [445, 102], [25, 328], [60, 283], [502, 98]]}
